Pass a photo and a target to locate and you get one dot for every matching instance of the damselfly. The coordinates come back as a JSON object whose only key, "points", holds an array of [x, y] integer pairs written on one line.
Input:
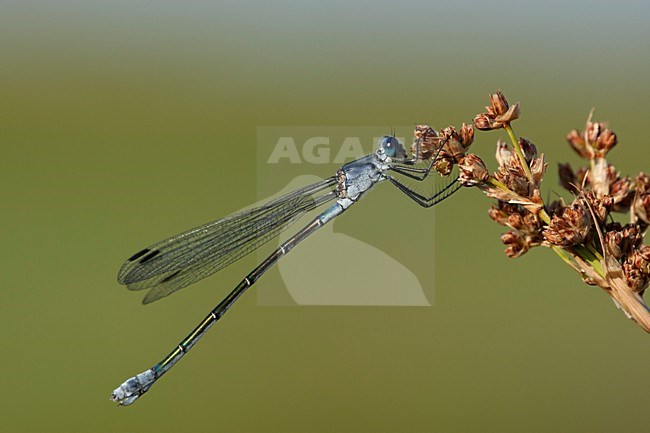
{"points": [[177, 262]]}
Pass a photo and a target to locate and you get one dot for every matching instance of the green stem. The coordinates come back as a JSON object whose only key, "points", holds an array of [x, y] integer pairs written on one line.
{"points": [[595, 252], [544, 216], [564, 256], [520, 154], [492, 181], [590, 258]]}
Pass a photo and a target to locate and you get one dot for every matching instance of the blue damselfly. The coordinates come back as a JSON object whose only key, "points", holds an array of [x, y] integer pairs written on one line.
{"points": [[177, 262]]}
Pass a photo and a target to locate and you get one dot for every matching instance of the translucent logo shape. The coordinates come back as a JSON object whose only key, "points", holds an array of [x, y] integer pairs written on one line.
{"points": [[331, 268]]}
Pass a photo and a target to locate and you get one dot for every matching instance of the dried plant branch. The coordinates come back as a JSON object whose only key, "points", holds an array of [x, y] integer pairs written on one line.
{"points": [[584, 233]]}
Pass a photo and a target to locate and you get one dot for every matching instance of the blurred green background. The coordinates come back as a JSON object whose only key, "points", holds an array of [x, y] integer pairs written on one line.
{"points": [[122, 123]]}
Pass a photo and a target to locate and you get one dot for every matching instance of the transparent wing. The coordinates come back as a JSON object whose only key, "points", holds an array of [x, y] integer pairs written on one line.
{"points": [[179, 261]]}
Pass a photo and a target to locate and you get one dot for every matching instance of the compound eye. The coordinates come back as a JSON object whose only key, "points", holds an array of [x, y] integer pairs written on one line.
{"points": [[389, 144]]}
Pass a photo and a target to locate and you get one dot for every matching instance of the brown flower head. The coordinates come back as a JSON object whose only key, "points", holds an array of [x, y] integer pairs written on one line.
{"points": [[569, 228], [443, 165], [600, 138], [525, 236], [640, 209], [426, 143], [636, 280], [621, 241], [529, 150], [510, 172], [641, 259], [516, 244], [456, 144], [567, 177], [622, 193], [576, 140], [637, 268], [502, 211], [582, 176], [594, 142], [472, 171], [467, 134], [499, 215], [537, 169], [526, 227], [555, 207], [599, 205], [533, 225], [498, 113], [503, 153]]}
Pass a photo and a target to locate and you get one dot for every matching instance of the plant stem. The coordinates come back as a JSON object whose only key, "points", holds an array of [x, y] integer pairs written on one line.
{"points": [[520, 154], [544, 216], [590, 258], [562, 253], [495, 183], [595, 252]]}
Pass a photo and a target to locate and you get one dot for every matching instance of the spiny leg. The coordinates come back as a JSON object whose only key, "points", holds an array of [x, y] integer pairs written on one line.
{"points": [[427, 201], [405, 169]]}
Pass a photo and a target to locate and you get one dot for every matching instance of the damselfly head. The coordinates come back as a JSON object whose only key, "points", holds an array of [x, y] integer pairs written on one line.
{"points": [[392, 147]]}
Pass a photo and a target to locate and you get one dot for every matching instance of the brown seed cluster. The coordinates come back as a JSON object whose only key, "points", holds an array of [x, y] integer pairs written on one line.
{"points": [[449, 145], [497, 114], [583, 233], [594, 142], [604, 191]]}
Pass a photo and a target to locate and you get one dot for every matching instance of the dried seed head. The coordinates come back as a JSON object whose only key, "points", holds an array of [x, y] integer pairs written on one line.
{"points": [[467, 135], [503, 153], [510, 115], [497, 114], [516, 221], [600, 138], [484, 122], [529, 150], [502, 211], [635, 278], [614, 242], [599, 177], [605, 142], [569, 228], [498, 104], [511, 174], [632, 238], [454, 146], [555, 207], [640, 209], [533, 225], [641, 259], [600, 205], [594, 142], [537, 169], [516, 244], [582, 176], [498, 215], [622, 240], [428, 141], [610, 174], [577, 142], [443, 165], [622, 193], [472, 171], [637, 268], [567, 177]]}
